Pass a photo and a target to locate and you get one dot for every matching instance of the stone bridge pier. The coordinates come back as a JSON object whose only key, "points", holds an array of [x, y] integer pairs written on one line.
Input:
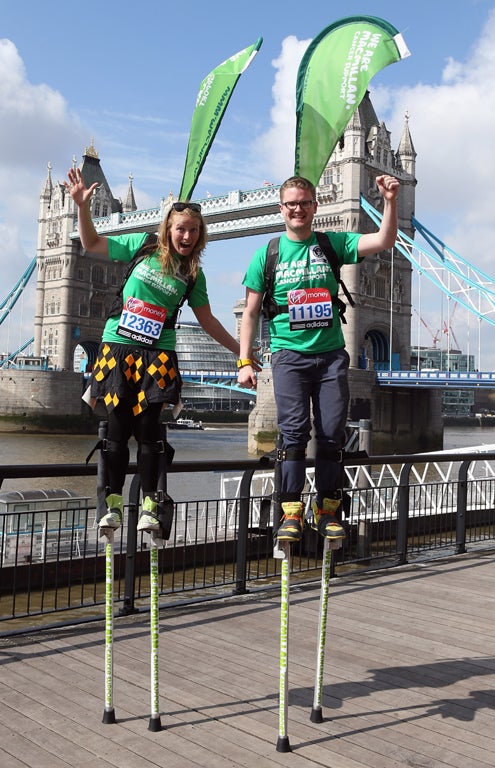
{"points": [[403, 420]]}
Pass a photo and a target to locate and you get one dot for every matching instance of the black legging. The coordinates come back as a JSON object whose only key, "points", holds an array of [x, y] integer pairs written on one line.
{"points": [[146, 429]]}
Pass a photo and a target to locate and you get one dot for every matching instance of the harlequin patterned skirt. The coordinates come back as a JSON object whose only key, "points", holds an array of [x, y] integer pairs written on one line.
{"points": [[136, 374]]}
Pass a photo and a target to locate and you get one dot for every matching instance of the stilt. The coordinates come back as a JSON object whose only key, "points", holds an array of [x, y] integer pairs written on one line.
{"points": [[109, 712], [155, 722], [326, 567], [283, 744]]}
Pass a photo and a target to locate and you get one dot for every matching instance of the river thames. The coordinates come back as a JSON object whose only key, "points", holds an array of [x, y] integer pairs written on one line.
{"points": [[215, 443]]}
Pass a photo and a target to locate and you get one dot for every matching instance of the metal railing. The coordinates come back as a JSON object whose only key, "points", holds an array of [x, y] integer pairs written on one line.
{"points": [[398, 508]]}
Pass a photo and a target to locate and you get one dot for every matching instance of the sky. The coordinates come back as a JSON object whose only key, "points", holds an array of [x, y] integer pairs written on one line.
{"points": [[126, 76]]}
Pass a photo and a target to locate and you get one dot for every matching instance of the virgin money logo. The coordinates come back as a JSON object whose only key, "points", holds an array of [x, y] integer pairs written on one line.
{"points": [[298, 296], [134, 305]]}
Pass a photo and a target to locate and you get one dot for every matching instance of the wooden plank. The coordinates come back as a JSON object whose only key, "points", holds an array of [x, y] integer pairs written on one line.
{"points": [[409, 680]]}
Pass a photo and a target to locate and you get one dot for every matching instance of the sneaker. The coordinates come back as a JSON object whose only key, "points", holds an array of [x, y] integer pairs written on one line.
{"points": [[325, 521], [148, 521], [114, 516], [290, 529]]}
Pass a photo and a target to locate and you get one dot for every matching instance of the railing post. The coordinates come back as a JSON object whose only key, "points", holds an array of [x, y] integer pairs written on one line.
{"points": [[460, 523], [243, 526], [128, 606], [242, 532], [403, 514]]}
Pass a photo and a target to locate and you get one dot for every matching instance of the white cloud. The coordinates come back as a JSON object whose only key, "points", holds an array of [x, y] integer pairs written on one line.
{"points": [[35, 123], [452, 125], [278, 143], [35, 127]]}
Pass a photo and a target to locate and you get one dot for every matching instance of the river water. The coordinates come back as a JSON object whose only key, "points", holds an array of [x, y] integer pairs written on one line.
{"points": [[215, 443]]}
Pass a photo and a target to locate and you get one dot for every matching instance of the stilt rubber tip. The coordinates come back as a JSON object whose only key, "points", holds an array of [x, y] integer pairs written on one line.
{"points": [[155, 724], [283, 744], [316, 715], [109, 716]]}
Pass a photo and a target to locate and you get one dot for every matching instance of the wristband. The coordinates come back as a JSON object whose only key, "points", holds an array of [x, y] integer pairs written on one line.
{"points": [[241, 363]]}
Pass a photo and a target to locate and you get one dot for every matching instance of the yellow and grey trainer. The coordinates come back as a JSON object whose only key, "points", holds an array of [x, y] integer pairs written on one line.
{"points": [[291, 526], [325, 520]]}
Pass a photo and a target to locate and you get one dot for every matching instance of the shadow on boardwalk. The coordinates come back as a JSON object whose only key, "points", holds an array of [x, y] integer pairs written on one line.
{"points": [[409, 680]]}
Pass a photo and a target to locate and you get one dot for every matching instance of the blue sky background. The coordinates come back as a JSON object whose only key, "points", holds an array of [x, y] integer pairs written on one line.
{"points": [[127, 77]]}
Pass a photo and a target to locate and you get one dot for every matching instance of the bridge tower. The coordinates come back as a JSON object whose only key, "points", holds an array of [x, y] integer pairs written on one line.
{"points": [[378, 331], [74, 289]]}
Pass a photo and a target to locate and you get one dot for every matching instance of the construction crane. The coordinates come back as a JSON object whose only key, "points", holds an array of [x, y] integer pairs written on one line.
{"points": [[435, 336], [449, 331]]}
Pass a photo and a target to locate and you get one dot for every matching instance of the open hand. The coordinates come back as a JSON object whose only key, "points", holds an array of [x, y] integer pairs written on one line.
{"points": [[77, 188]]}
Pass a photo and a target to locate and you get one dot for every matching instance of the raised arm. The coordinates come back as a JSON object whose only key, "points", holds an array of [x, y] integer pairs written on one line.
{"points": [[90, 239], [374, 242]]}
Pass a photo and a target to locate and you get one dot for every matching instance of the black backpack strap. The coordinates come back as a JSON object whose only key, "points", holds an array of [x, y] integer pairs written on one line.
{"points": [[268, 307], [329, 251], [171, 321], [147, 248]]}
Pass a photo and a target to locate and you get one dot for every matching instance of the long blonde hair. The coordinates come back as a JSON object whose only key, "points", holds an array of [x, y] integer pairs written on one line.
{"points": [[189, 266]]}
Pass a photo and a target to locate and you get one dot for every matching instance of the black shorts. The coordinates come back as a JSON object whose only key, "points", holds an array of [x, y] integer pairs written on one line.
{"points": [[137, 374]]}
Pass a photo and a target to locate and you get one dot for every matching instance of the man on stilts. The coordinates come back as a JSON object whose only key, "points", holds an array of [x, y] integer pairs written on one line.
{"points": [[295, 280], [309, 360]]}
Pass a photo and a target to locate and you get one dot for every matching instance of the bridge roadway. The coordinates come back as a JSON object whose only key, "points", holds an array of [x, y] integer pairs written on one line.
{"points": [[429, 379], [235, 214], [442, 379]]}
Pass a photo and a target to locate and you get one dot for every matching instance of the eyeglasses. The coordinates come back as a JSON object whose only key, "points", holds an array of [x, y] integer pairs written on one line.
{"points": [[291, 205], [179, 207]]}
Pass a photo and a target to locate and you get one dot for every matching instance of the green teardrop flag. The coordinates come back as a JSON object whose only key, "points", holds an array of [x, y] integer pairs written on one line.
{"points": [[332, 79], [212, 100]]}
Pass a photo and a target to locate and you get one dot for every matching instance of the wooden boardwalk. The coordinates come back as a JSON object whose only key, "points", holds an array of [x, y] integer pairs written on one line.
{"points": [[409, 680]]}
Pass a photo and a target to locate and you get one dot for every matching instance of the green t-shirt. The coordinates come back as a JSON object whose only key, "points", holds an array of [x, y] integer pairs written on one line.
{"points": [[304, 280], [147, 283]]}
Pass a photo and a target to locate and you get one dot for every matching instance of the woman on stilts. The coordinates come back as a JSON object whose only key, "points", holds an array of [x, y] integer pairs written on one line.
{"points": [[136, 371]]}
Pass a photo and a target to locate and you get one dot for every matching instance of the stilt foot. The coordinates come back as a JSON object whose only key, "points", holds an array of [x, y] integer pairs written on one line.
{"points": [[109, 716], [155, 724], [316, 715], [283, 744]]}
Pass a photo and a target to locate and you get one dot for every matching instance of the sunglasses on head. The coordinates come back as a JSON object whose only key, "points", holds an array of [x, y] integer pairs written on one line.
{"points": [[179, 207]]}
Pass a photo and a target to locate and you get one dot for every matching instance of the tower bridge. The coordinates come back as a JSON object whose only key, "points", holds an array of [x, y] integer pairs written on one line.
{"points": [[74, 288]]}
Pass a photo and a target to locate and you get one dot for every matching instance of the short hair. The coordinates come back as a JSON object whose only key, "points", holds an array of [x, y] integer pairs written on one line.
{"points": [[301, 183]]}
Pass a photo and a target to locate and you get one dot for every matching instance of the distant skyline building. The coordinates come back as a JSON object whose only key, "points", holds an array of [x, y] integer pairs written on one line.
{"points": [[199, 354], [455, 402]]}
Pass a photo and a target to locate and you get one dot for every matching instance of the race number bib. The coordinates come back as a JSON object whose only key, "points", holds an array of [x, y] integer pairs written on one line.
{"points": [[309, 308], [141, 321]]}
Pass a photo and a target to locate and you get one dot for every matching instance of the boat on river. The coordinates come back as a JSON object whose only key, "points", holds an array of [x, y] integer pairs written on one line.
{"points": [[185, 424]]}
